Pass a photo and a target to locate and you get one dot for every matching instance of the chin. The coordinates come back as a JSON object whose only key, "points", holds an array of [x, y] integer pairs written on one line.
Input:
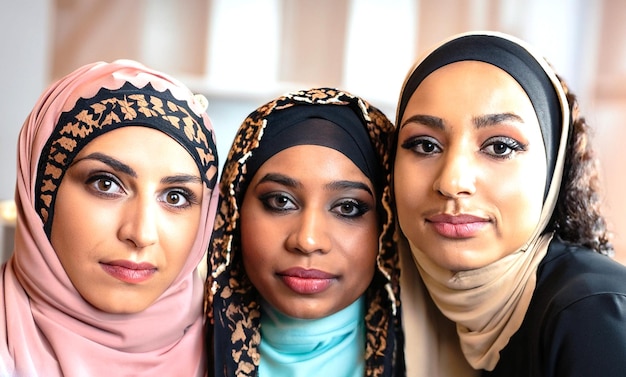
{"points": [[115, 309], [462, 261], [120, 305], [302, 310]]}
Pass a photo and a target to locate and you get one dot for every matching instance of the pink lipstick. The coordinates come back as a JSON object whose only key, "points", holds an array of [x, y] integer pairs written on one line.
{"points": [[457, 226], [306, 282], [129, 272]]}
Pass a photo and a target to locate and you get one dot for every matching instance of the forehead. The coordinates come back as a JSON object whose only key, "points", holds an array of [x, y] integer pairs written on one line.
{"points": [[142, 146], [471, 86], [476, 74]]}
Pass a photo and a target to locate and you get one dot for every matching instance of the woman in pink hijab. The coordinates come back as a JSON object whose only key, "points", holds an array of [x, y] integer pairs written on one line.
{"points": [[115, 198]]}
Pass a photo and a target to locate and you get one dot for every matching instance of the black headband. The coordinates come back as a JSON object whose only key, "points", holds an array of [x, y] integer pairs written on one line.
{"points": [[511, 58], [336, 127], [112, 109]]}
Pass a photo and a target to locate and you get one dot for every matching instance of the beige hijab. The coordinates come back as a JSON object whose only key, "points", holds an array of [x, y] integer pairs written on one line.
{"points": [[488, 304]]}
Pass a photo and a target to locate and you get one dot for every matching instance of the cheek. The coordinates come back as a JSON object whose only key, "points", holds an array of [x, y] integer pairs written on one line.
{"points": [[260, 253], [520, 216], [520, 202], [75, 226], [253, 247], [362, 251], [259, 240], [178, 237], [410, 187]]}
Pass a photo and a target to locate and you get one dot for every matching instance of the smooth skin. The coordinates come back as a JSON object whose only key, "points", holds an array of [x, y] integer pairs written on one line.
{"points": [[309, 231], [126, 218], [470, 167]]}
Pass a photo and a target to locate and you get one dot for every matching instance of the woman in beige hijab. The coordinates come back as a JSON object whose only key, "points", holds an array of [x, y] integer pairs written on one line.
{"points": [[496, 194]]}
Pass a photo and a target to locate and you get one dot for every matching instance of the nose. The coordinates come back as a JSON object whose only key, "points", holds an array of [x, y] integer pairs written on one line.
{"points": [[310, 233], [457, 176], [138, 227]]}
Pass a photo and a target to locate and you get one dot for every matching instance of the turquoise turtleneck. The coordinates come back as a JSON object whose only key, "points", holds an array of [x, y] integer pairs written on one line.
{"points": [[329, 346]]}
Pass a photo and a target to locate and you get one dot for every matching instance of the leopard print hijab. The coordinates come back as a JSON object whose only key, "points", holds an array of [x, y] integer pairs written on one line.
{"points": [[233, 304]]}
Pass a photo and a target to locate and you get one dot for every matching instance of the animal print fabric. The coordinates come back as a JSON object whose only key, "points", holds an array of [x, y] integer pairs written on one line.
{"points": [[232, 304], [111, 109]]}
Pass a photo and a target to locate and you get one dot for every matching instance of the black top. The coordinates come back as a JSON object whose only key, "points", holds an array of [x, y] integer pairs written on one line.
{"points": [[576, 321]]}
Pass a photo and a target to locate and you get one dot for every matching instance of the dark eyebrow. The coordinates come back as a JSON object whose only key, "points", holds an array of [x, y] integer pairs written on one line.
{"points": [[426, 120], [112, 162], [480, 121], [335, 185], [340, 185], [493, 119], [181, 178], [121, 167], [279, 178]]}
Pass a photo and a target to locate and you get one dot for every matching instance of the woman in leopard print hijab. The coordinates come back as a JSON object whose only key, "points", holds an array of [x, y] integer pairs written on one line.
{"points": [[245, 310]]}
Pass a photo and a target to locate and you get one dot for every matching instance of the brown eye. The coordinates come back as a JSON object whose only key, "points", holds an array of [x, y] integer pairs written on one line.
{"points": [[173, 198], [178, 198], [348, 209], [103, 184], [351, 208], [278, 202], [422, 145], [428, 147], [502, 147]]}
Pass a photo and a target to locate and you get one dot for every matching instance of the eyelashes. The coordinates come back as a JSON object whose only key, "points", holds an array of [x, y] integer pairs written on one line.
{"points": [[500, 147], [179, 198], [351, 208], [105, 184], [109, 186], [424, 145], [281, 202], [503, 147], [278, 202]]}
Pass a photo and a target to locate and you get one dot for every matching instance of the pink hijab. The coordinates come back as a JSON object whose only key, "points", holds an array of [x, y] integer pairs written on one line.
{"points": [[46, 328]]}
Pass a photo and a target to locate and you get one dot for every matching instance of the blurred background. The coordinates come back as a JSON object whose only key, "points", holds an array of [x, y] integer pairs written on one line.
{"points": [[242, 53]]}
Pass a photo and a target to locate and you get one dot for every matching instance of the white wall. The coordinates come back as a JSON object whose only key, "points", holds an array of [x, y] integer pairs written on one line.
{"points": [[24, 26]]}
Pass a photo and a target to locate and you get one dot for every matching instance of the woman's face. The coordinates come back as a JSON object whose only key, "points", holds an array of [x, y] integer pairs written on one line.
{"points": [[470, 169], [126, 217], [309, 231]]}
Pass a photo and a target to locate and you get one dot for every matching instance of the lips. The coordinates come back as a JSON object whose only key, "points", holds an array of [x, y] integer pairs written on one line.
{"points": [[128, 271], [305, 281], [457, 226]]}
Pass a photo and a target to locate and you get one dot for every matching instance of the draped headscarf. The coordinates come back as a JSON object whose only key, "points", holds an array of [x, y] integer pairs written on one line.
{"points": [[233, 303], [488, 304], [47, 328]]}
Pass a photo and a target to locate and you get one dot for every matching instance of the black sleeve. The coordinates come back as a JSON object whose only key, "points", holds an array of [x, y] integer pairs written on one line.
{"points": [[588, 338]]}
